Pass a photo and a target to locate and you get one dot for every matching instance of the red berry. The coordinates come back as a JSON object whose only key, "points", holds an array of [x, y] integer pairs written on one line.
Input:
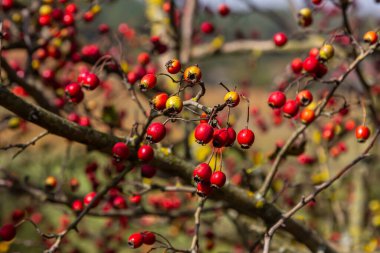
{"points": [[231, 136], [317, 2], [149, 238], [204, 188], [207, 27], [290, 109], [132, 77], [119, 202], [71, 8], [89, 197], [17, 215], [155, 132], [246, 138], [307, 116], [148, 171], [120, 151], [203, 133], [202, 172], [7, 232], [90, 81], [362, 133], [276, 99], [218, 179], [135, 240], [68, 19], [314, 52], [6, 4], [44, 20], [159, 101], [143, 58], [145, 153], [84, 121], [77, 205], [280, 39], [304, 98], [135, 199], [74, 92], [148, 82], [223, 10], [297, 65], [220, 138], [173, 66], [73, 117], [321, 70], [103, 28], [310, 64], [88, 16]]}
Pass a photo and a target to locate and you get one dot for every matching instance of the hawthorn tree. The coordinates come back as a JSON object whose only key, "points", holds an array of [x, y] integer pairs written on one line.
{"points": [[162, 166]]}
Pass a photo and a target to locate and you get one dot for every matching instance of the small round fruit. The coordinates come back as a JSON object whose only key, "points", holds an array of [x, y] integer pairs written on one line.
{"points": [[50, 183], [203, 133], [310, 64], [220, 138], [296, 65], [159, 101], [173, 66], [370, 37], [149, 238], [326, 52], [7, 232], [155, 132], [304, 97], [143, 58], [305, 17], [280, 39], [145, 153], [317, 2], [207, 27], [277, 99], [218, 179], [119, 202], [89, 197], [90, 81], [290, 109], [232, 98], [223, 10], [135, 199], [362, 133], [148, 82], [307, 116], [202, 173], [135, 240], [132, 77], [192, 74], [231, 137], [120, 151], [77, 205], [245, 138], [148, 171], [174, 105], [74, 92], [204, 188]]}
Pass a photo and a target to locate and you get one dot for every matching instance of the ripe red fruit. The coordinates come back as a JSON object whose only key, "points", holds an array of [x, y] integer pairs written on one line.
{"points": [[203, 133], [290, 109], [148, 82], [17, 215], [132, 77], [320, 71], [88, 16], [296, 65], [204, 188], [6, 4], [317, 2], [143, 58], [246, 138], [231, 137], [145, 153], [202, 173], [307, 116], [155, 132], [77, 205], [135, 240], [89, 197], [362, 133], [68, 19], [304, 97], [310, 64], [103, 28], [148, 171], [159, 101], [173, 66], [120, 151], [371, 37], [74, 92], [207, 27], [84, 121], [218, 179], [328, 134], [7, 232], [149, 238], [44, 20], [71, 8], [223, 10], [119, 202], [280, 39], [276, 99], [89, 80], [220, 138], [135, 199]]}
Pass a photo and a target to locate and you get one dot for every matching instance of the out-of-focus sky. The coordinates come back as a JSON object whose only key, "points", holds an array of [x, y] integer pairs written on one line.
{"points": [[365, 7]]}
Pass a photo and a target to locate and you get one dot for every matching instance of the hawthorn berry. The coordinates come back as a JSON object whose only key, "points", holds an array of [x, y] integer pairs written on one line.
{"points": [[6, 4], [310, 64], [173, 66], [223, 10], [280, 39], [120, 151], [231, 137], [277, 99], [148, 82], [84, 121], [304, 98], [326, 52], [119, 202], [77, 205], [148, 171], [317, 2], [204, 188], [207, 27], [328, 134], [50, 183], [296, 65], [220, 138], [17, 215], [68, 19], [135, 199], [74, 92], [362, 133], [174, 105], [202, 172], [192, 74], [155, 132], [159, 101], [132, 77], [7, 232], [203, 133], [88, 80], [143, 58], [218, 179], [149, 238], [307, 116], [74, 184], [370, 37], [232, 98], [245, 138], [290, 108], [305, 17], [89, 197], [135, 240], [145, 153]]}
